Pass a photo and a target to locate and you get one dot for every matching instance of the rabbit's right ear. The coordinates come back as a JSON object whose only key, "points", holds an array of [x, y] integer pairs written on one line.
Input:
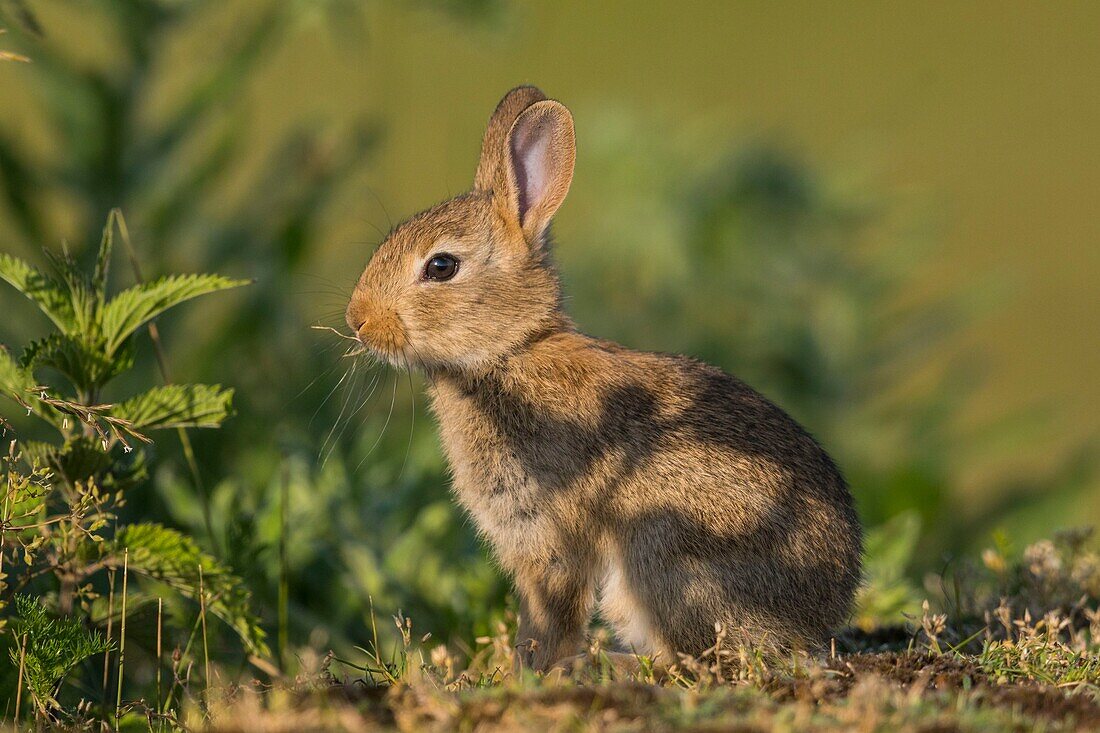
{"points": [[527, 159], [542, 149]]}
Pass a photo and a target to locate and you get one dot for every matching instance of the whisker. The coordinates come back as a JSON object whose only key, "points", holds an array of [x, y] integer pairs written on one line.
{"points": [[378, 198], [423, 366], [372, 390], [329, 348], [349, 371], [325, 290], [373, 386], [333, 312], [329, 301], [312, 382], [393, 399], [354, 414], [339, 418], [412, 421], [330, 317], [323, 280]]}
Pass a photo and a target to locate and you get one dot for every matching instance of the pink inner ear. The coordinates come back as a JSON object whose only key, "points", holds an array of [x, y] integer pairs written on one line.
{"points": [[530, 161]]}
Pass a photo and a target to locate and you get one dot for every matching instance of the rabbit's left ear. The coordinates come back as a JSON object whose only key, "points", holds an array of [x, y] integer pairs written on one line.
{"points": [[491, 168], [541, 151]]}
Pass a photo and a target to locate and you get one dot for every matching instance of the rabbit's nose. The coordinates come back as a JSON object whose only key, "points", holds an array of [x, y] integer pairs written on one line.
{"points": [[355, 319]]}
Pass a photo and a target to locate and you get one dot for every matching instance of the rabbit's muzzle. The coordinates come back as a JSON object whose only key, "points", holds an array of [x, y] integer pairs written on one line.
{"points": [[377, 327]]}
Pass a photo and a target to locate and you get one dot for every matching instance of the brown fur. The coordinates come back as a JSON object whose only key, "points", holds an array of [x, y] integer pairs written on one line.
{"points": [[662, 488]]}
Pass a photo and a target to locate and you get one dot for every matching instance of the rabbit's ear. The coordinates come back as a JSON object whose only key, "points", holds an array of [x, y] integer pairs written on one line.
{"points": [[491, 169], [542, 149]]}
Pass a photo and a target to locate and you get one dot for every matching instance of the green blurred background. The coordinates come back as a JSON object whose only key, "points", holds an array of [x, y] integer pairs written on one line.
{"points": [[882, 215]]}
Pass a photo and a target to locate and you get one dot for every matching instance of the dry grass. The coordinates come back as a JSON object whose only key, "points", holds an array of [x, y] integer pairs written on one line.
{"points": [[1019, 651]]}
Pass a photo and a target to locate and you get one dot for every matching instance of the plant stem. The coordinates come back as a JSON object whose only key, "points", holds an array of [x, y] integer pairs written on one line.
{"points": [[160, 615], [284, 570], [122, 636], [110, 621], [175, 665], [205, 649], [8, 491], [19, 684]]}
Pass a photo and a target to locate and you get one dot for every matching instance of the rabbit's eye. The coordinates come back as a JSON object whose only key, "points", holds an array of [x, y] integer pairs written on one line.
{"points": [[441, 267]]}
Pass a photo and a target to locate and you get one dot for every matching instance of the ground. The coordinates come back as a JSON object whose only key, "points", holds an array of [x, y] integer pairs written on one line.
{"points": [[1031, 680]]}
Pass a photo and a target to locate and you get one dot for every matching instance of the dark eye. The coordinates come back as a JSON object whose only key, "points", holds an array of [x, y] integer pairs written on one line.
{"points": [[441, 267]]}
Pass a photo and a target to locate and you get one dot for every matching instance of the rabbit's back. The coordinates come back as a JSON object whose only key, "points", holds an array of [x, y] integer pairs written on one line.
{"points": [[698, 500]]}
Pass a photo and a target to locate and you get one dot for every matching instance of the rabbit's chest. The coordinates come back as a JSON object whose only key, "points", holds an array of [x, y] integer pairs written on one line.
{"points": [[514, 500], [506, 502]]}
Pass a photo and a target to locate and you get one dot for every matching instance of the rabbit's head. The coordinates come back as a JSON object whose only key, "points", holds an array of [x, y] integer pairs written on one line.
{"points": [[462, 284]]}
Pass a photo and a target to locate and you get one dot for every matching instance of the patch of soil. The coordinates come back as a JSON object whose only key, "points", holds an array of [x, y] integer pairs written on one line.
{"points": [[943, 674], [371, 700], [1045, 703]]}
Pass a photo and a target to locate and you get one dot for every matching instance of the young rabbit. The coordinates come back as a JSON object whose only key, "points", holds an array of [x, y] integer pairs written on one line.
{"points": [[661, 488]]}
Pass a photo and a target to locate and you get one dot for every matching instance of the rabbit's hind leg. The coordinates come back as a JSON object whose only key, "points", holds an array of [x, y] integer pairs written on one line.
{"points": [[663, 603]]}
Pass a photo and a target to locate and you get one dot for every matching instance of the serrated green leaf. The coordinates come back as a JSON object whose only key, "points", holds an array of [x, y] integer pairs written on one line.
{"points": [[174, 558], [15, 379], [83, 363], [177, 406], [16, 382], [82, 301], [103, 257], [51, 297], [131, 308]]}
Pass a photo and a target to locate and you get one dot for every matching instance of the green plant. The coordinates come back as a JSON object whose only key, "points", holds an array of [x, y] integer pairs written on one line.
{"points": [[887, 593], [93, 343], [63, 540], [48, 649]]}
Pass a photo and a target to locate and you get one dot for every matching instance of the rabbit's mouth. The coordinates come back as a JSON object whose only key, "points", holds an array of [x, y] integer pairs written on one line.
{"points": [[386, 347]]}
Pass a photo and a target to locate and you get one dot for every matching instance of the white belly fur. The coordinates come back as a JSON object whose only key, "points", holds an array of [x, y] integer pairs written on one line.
{"points": [[620, 608]]}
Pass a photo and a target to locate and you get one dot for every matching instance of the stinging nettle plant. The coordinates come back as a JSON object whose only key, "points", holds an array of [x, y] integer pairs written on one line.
{"points": [[61, 542], [93, 343]]}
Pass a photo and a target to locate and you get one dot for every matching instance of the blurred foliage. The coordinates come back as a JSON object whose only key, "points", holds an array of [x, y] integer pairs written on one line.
{"points": [[888, 593], [328, 490]]}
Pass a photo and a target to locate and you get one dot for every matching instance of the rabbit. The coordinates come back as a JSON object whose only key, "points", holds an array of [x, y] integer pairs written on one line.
{"points": [[661, 489]]}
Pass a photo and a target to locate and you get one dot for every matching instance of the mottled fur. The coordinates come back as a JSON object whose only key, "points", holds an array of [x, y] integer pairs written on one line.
{"points": [[661, 488]]}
